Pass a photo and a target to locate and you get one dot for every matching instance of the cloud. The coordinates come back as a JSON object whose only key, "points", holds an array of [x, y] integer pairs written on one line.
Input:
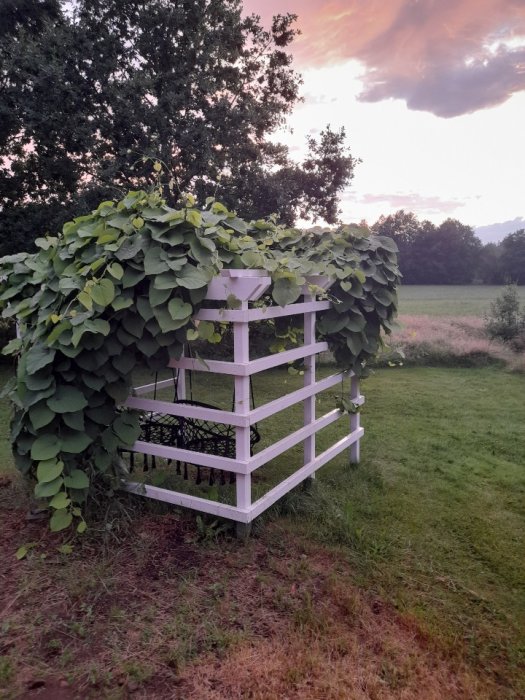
{"points": [[311, 99], [426, 205], [448, 57]]}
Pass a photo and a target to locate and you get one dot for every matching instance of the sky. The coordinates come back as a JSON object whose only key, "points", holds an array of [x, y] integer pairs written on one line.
{"points": [[431, 94]]}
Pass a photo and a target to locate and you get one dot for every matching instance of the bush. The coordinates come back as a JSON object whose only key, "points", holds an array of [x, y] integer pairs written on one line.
{"points": [[505, 320]]}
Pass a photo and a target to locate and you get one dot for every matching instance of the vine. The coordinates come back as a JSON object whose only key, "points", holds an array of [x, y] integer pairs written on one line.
{"points": [[120, 287]]}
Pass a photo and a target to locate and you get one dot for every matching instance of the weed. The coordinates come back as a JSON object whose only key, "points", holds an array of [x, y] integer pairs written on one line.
{"points": [[209, 530], [6, 670], [137, 671]]}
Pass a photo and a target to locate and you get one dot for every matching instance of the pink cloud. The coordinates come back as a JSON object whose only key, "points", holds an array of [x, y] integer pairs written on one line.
{"points": [[449, 57], [411, 201]]}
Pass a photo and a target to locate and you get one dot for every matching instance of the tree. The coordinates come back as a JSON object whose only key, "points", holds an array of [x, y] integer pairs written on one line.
{"points": [[505, 320], [452, 252], [446, 254], [512, 259], [489, 266], [89, 87], [408, 233]]}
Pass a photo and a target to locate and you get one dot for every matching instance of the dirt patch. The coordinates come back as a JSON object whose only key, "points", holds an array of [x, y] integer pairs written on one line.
{"points": [[163, 615]]}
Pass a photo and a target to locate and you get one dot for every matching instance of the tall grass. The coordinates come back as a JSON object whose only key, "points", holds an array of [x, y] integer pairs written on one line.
{"points": [[451, 340]]}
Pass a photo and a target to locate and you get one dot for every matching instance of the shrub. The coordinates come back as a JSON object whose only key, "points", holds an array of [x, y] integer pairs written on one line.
{"points": [[122, 286], [505, 320]]}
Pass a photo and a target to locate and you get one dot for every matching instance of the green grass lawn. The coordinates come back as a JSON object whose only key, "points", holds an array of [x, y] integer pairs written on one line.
{"points": [[449, 300], [432, 520]]}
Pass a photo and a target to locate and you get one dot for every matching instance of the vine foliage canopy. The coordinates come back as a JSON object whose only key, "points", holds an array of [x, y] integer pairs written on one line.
{"points": [[120, 287]]}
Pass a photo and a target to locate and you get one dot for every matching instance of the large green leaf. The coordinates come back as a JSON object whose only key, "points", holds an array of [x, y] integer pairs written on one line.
{"points": [[74, 420], [166, 322], [75, 441], [60, 520], [200, 251], [191, 277], [46, 447], [332, 322], [77, 479], [67, 399], [40, 380], [122, 302], [49, 470], [116, 270], [355, 321], [48, 488], [285, 291], [159, 296], [103, 292], [40, 415], [60, 501], [124, 362], [354, 344], [383, 296], [166, 280], [132, 277], [387, 243], [154, 264], [125, 431], [39, 356], [179, 309]]}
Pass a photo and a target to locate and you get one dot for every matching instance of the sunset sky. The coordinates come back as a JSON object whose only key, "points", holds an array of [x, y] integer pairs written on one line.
{"points": [[431, 94]]}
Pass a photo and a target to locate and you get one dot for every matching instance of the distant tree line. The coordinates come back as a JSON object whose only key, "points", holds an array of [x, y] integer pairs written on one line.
{"points": [[451, 253]]}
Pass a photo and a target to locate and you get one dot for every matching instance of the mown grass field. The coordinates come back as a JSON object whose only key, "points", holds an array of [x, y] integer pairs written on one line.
{"points": [[403, 577], [449, 300]]}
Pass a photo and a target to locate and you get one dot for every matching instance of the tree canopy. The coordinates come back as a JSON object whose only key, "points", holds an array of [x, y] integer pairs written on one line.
{"points": [[512, 259], [429, 254], [88, 88]]}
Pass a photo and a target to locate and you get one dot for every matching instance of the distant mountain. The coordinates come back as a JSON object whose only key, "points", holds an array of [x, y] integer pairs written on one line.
{"points": [[494, 233]]}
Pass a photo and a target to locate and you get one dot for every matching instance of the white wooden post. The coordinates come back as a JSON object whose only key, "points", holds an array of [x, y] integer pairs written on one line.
{"points": [[249, 285], [355, 421], [181, 382], [241, 353], [309, 380]]}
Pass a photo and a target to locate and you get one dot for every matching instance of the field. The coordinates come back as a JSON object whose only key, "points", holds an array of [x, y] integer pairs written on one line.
{"points": [[449, 300], [402, 577], [444, 325]]}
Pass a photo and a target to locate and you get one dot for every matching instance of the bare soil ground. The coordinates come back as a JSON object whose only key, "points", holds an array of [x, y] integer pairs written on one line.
{"points": [[164, 614]]}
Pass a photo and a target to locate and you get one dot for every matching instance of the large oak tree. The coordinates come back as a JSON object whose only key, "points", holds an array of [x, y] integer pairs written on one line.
{"points": [[88, 87]]}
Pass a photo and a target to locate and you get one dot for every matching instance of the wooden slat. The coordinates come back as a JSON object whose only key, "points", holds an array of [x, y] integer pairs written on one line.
{"points": [[186, 409], [244, 369], [293, 439], [300, 475], [262, 412], [201, 459], [222, 510], [244, 316]]}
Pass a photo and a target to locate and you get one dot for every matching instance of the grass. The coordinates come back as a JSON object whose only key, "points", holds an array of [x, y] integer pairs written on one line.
{"points": [[401, 577], [450, 341], [449, 300], [444, 325]]}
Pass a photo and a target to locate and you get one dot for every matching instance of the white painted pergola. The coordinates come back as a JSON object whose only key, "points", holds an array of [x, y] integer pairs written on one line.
{"points": [[248, 286]]}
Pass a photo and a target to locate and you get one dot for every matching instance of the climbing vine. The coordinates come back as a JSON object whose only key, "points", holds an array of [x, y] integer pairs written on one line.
{"points": [[121, 287]]}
